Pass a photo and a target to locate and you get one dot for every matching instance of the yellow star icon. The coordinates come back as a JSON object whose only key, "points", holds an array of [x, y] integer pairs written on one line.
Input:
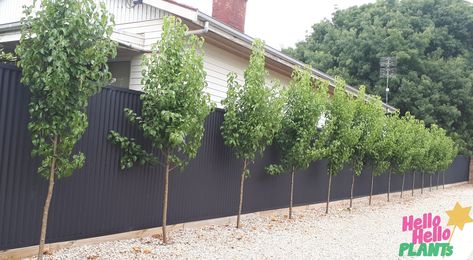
{"points": [[459, 216]]}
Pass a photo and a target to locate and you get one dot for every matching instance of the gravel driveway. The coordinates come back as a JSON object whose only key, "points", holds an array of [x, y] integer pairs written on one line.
{"points": [[366, 232]]}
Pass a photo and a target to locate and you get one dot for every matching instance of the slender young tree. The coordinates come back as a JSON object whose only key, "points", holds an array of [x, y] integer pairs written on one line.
{"points": [[63, 52], [368, 120], [338, 136], [297, 139], [382, 152], [380, 141], [174, 105], [449, 151], [400, 159], [433, 153], [253, 114], [419, 148]]}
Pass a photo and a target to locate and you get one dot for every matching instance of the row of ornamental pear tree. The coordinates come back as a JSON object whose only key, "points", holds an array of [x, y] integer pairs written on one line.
{"points": [[63, 53]]}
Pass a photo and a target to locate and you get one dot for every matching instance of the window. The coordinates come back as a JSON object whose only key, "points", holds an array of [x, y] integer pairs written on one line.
{"points": [[120, 73]]}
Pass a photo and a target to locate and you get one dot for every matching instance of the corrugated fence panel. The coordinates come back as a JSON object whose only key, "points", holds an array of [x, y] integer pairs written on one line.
{"points": [[101, 199]]}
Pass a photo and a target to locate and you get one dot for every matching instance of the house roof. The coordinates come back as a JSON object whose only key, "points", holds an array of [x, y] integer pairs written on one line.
{"points": [[232, 34], [219, 32]]}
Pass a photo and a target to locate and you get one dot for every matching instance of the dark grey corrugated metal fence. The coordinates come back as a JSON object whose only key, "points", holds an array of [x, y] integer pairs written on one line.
{"points": [[100, 199]]}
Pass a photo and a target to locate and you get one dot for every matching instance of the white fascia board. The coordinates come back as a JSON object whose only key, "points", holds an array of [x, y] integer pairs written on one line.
{"points": [[173, 9], [131, 40], [10, 36]]}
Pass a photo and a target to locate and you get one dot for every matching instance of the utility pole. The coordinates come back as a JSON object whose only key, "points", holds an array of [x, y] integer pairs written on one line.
{"points": [[387, 69]]}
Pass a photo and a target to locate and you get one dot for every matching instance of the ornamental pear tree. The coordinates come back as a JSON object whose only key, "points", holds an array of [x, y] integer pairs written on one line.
{"points": [[435, 153], [400, 160], [382, 151], [367, 124], [298, 137], [174, 105], [431, 155], [337, 136], [419, 148], [449, 152], [253, 114], [63, 53], [378, 142]]}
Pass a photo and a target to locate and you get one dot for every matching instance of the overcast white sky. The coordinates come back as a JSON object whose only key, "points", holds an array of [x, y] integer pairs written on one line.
{"points": [[282, 23]]}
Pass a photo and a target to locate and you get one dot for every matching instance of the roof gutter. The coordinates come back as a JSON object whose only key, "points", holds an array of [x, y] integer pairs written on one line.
{"points": [[200, 31], [239, 35], [10, 27]]}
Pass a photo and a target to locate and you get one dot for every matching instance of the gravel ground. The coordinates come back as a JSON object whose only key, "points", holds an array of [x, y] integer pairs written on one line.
{"points": [[366, 232]]}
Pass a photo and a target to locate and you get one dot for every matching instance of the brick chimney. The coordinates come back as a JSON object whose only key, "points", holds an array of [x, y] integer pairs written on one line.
{"points": [[230, 12]]}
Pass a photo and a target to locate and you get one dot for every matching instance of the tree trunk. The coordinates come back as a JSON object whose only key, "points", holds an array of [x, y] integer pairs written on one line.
{"points": [[422, 187], [352, 188], [438, 179], [371, 189], [242, 183], [165, 197], [443, 179], [292, 193], [403, 180], [328, 193], [389, 183], [413, 182], [44, 222], [430, 179]]}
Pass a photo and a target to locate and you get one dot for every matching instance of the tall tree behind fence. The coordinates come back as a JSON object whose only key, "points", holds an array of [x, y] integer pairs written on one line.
{"points": [[101, 199]]}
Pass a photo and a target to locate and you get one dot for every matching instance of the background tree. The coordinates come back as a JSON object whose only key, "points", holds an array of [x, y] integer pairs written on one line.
{"points": [[433, 45], [253, 114], [63, 52], [337, 136], [174, 104], [368, 122], [298, 137]]}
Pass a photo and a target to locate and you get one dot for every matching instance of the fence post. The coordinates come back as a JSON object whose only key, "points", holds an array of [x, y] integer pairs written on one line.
{"points": [[471, 171]]}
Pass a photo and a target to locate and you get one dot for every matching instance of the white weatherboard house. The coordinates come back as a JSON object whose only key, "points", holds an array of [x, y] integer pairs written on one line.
{"points": [[138, 26]]}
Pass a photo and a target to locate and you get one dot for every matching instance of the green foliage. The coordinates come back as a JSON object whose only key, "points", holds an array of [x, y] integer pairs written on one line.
{"points": [[6, 56], [442, 150], [63, 52], [174, 104], [382, 151], [132, 152], [400, 159], [297, 139], [253, 110], [419, 144], [338, 135], [434, 48], [369, 120]]}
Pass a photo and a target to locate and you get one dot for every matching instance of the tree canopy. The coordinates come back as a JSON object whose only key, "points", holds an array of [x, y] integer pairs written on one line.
{"points": [[298, 137], [253, 109], [174, 105], [338, 135], [63, 53], [432, 42], [253, 114]]}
